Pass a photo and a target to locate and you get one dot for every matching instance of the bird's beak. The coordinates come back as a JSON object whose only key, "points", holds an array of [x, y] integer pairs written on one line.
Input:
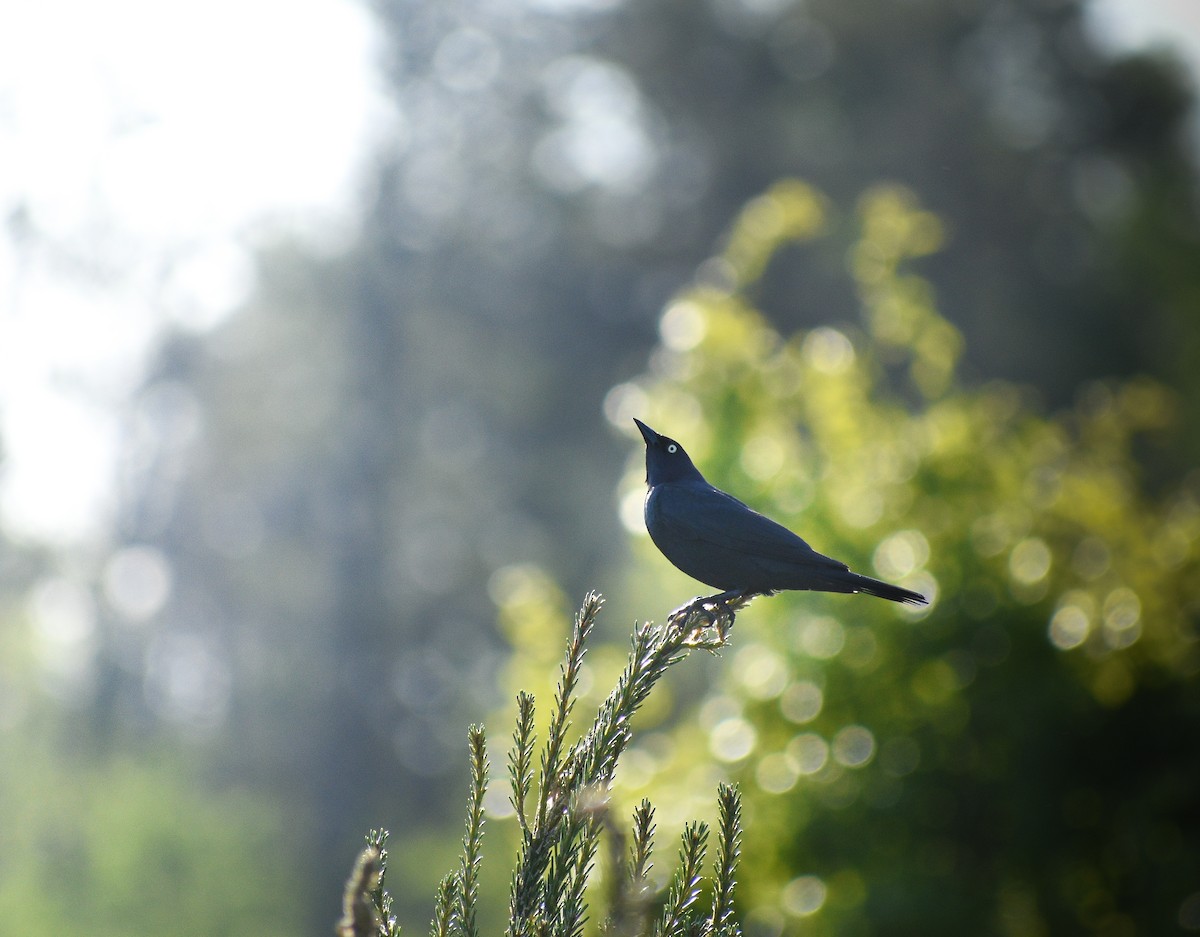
{"points": [[648, 434]]}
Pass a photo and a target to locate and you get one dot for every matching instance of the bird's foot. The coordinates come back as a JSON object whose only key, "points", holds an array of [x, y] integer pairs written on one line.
{"points": [[696, 618], [688, 609], [717, 613]]}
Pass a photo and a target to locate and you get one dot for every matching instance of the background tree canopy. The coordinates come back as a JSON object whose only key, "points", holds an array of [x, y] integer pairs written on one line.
{"points": [[1012, 760], [346, 479]]}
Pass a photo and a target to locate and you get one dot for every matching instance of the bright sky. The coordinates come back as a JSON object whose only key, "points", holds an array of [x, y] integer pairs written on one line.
{"points": [[146, 147], [1135, 23]]}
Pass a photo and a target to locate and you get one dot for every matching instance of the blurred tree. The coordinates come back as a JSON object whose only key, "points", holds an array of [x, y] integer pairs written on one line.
{"points": [[1014, 759], [132, 843], [637, 130], [329, 481]]}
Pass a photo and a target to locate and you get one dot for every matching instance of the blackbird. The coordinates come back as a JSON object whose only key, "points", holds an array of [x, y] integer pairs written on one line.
{"points": [[715, 538]]}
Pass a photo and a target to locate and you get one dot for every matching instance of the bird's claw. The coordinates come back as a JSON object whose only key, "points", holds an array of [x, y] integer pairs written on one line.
{"points": [[718, 613], [710, 618]]}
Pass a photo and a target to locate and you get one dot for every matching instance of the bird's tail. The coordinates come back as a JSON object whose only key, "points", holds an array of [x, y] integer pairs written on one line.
{"points": [[885, 590]]}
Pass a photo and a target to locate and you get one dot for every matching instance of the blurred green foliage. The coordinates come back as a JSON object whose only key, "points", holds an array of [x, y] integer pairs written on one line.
{"points": [[126, 845], [1019, 758]]}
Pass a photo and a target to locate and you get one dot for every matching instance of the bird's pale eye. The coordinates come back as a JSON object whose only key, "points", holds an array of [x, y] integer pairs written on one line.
{"points": [[672, 448]]}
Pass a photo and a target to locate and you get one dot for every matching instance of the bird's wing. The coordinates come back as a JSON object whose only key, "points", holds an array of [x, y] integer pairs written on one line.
{"points": [[709, 515]]}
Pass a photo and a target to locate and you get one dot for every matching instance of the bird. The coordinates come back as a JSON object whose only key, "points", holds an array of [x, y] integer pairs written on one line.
{"points": [[724, 543]]}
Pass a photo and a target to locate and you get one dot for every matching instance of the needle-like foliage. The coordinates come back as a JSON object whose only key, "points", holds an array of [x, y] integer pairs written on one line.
{"points": [[721, 922], [445, 906], [520, 763], [685, 888], [473, 838], [560, 835], [366, 906]]}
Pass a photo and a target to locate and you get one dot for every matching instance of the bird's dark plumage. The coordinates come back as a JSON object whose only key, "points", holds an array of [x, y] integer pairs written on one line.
{"points": [[715, 538]]}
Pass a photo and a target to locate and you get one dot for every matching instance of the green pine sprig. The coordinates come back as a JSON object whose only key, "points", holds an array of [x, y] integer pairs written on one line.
{"points": [[561, 817]]}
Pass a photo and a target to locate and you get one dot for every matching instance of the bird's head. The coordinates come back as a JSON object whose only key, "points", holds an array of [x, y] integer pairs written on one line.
{"points": [[666, 460]]}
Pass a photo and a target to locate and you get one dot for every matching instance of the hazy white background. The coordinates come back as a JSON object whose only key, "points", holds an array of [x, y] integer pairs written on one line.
{"points": [[122, 217]]}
